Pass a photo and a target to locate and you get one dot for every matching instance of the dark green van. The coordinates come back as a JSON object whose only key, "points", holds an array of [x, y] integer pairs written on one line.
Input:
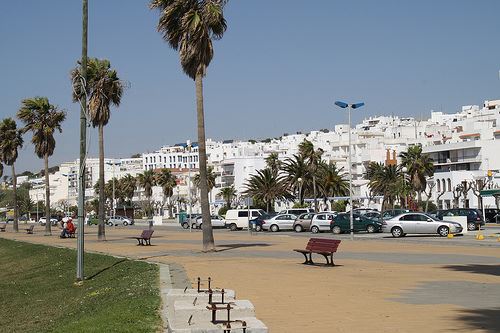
{"points": [[342, 223]]}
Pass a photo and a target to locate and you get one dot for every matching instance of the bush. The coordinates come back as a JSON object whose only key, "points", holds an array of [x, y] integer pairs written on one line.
{"points": [[339, 206], [298, 205], [223, 211]]}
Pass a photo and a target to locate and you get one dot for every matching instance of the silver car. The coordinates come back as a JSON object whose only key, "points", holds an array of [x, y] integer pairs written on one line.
{"points": [[117, 219], [217, 222], [279, 222], [419, 223]]}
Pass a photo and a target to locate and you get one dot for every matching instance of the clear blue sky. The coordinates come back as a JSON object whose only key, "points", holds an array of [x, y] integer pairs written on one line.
{"points": [[278, 69]]}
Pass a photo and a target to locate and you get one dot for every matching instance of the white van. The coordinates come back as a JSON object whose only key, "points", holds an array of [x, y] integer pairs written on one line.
{"points": [[296, 211], [238, 218]]}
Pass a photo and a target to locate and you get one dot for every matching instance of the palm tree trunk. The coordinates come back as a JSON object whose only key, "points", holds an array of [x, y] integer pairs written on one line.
{"points": [[208, 235], [101, 232], [14, 184], [48, 230], [314, 193]]}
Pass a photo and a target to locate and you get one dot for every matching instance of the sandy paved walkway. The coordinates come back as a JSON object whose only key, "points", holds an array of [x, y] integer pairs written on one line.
{"points": [[378, 286]]}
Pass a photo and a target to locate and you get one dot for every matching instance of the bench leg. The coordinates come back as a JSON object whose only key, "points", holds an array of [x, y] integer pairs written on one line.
{"points": [[331, 260], [307, 259], [148, 241], [326, 258]]}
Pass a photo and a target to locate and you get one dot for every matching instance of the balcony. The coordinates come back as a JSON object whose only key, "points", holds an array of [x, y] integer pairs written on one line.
{"points": [[456, 160]]}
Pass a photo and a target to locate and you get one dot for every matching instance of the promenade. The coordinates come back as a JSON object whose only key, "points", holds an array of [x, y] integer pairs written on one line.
{"points": [[378, 285]]}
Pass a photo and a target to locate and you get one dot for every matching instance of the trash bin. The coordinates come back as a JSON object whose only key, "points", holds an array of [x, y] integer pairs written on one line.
{"points": [[182, 217]]}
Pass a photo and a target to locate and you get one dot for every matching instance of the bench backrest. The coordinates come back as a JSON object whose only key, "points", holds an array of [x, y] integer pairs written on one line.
{"points": [[31, 227], [322, 244], [147, 233]]}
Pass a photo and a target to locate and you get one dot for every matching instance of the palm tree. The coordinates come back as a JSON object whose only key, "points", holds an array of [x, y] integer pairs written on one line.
{"points": [[313, 159], [168, 182], [331, 182], [10, 141], [104, 88], [189, 27], [297, 176], [146, 181], [228, 193], [128, 185], [267, 186], [273, 162], [42, 119], [418, 167], [387, 181], [211, 176]]}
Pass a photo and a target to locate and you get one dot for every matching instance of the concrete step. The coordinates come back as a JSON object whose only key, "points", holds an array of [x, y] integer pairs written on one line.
{"points": [[190, 295], [253, 326], [183, 310]]}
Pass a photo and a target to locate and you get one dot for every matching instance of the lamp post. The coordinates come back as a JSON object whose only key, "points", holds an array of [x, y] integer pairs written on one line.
{"points": [[300, 189], [188, 147], [344, 105], [113, 182]]}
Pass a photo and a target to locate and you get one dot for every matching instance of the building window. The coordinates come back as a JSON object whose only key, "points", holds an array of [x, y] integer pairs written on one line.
{"points": [[449, 184], [439, 186]]}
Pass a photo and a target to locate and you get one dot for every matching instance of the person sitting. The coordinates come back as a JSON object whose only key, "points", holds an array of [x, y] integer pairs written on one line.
{"points": [[68, 229]]}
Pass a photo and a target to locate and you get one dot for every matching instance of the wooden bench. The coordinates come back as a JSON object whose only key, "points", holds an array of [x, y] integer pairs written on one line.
{"points": [[145, 237], [30, 229], [325, 247], [2, 227]]}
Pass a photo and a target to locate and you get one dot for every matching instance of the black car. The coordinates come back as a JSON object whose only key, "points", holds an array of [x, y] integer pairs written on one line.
{"points": [[492, 215], [474, 216], [256, 223]]}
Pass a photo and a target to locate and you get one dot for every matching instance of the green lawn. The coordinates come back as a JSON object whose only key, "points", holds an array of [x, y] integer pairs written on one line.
{"points": [[38, 293]]}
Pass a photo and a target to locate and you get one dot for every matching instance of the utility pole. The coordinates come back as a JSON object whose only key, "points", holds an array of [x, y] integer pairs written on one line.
{"points": [[83, 146]]}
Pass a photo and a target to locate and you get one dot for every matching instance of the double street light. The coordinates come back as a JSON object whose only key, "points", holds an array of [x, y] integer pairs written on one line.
{"points": [[344, 105]]}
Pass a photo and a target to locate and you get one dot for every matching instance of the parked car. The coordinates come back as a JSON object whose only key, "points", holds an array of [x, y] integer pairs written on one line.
{"points": [[279, 222], [296, 211], [303, 222], [388, 214], [217, 222], [43, 221], [190, 220], [256, 223], [492, 215], [419, 223], [321, 222], [363, 211], [474, 216], [238, 218], [342, 223], [117, 219]]}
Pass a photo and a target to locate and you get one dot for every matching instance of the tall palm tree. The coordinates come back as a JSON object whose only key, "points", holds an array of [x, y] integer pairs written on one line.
{"points": [[273, 162], [189, 27], [167, 182], [104, 89], [313, 159], [128, 185], [331, 182], [42, 119], [147, 180], [10, 141], [419, 167], [228, 193], [297, 176], [387, 181], [211, 177], [267, 186]]}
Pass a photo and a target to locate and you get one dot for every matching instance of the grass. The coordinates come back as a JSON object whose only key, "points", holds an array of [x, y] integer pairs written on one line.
{"points": [[38, 293]]}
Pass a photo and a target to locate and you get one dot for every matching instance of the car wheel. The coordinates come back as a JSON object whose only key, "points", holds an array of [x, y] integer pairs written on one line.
{"points": [[314, 229], [370, 228], [200, 226], [443, 231], [397, 232], [258, 228], [336, 229], [274, 228], [471, 226], [185, 225], [233, 227], [125, 223], [298, 228]]}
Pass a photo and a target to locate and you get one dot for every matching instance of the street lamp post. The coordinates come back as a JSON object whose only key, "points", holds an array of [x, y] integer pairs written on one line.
{"points": [[188, 147], [344, 105], [300, 190]]}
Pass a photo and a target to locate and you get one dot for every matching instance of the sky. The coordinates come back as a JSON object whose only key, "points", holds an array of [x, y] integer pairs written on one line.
{"points": [[278, 69]]}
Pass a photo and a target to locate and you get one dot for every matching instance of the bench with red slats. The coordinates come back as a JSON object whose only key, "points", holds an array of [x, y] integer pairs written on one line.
{"points": [[323, 246], [145, 237]]}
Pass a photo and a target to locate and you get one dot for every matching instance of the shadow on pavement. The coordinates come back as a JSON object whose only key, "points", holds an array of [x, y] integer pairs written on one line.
{"points": [[104, 269], [227, 247], [488, 320], [475, 268]]}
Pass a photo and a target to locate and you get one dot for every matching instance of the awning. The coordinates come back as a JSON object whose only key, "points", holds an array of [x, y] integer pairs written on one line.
{"points": [[490, 193]]}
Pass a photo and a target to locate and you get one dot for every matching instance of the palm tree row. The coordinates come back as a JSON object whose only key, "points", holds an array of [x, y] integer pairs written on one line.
{"points": [[303, 174]]}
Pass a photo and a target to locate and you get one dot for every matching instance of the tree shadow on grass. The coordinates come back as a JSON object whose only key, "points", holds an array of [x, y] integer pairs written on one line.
{"points": [[105, 269], [227, 247], [476, 268], [488, 320]]}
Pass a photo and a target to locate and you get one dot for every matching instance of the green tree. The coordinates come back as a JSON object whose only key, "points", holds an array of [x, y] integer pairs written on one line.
{"points": [[10, 141], [167, 181], [387, 181], [331, 182], [313, 159], [146, 181], [228, 193], [104, 89], [128, 185], [42, 119], [273, 162], [297, 176], [189, 27], [419, 167], [267, 186]]}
